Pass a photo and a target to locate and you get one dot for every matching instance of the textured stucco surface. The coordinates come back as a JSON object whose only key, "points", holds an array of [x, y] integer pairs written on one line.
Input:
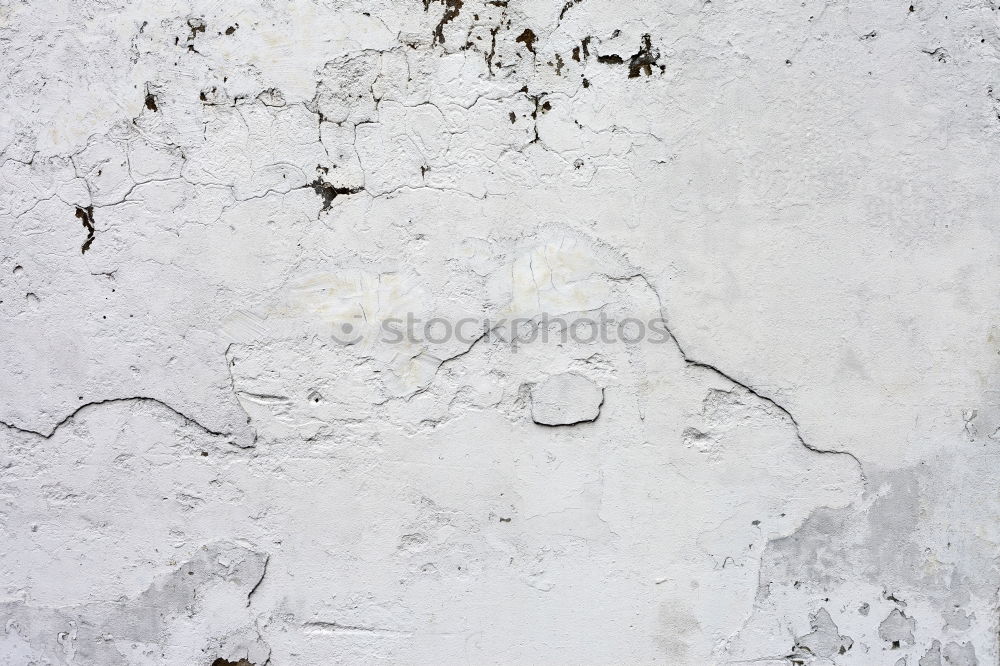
{"points": [[209, 457]]}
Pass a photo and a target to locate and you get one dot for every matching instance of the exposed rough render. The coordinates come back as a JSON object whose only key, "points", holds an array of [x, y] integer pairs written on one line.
{"points": [[210, 457]]}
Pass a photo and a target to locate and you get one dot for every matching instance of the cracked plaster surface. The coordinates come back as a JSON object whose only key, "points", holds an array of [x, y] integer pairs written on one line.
{"points": [[209, 456]]}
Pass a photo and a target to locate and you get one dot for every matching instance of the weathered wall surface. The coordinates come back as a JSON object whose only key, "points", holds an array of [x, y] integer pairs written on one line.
{"points": [[211, 453]]}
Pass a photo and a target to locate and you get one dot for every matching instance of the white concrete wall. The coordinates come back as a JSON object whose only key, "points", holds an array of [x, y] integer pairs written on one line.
{"points": [[217, 448]]}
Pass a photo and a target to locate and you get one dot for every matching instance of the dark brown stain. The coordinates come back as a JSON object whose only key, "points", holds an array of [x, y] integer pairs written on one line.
{"points": [[528, 39], [197, 25], [329, 192], [86, 215], [644, 59], [569, 4], [452, 8]]}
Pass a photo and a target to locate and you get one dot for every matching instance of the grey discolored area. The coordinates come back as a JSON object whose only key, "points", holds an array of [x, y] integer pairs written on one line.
{"points": [[205, 597], [823, 640]]}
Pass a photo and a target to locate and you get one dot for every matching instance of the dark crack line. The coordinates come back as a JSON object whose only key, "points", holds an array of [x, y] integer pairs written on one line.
{"points": [[337, 627], [138, 398], [574, 423], [263, 573], [694, 363], [445, 361]]}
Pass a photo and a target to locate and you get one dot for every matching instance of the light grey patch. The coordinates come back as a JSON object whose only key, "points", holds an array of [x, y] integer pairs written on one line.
{"points": [[677, 627], [243, 647], [897, 629], [890, 520], [834, 546], [566, 399], [219, 576], [933, 655], [887, 544], [957, 619], [825, 639], [960, 654], [807, 554]]}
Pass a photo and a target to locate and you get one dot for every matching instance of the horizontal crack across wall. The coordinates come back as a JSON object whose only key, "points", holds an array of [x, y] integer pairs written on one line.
{"points": [[96, 403]]}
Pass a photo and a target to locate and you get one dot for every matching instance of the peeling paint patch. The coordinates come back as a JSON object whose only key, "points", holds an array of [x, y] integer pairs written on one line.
{"points": [[566, 399]]}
